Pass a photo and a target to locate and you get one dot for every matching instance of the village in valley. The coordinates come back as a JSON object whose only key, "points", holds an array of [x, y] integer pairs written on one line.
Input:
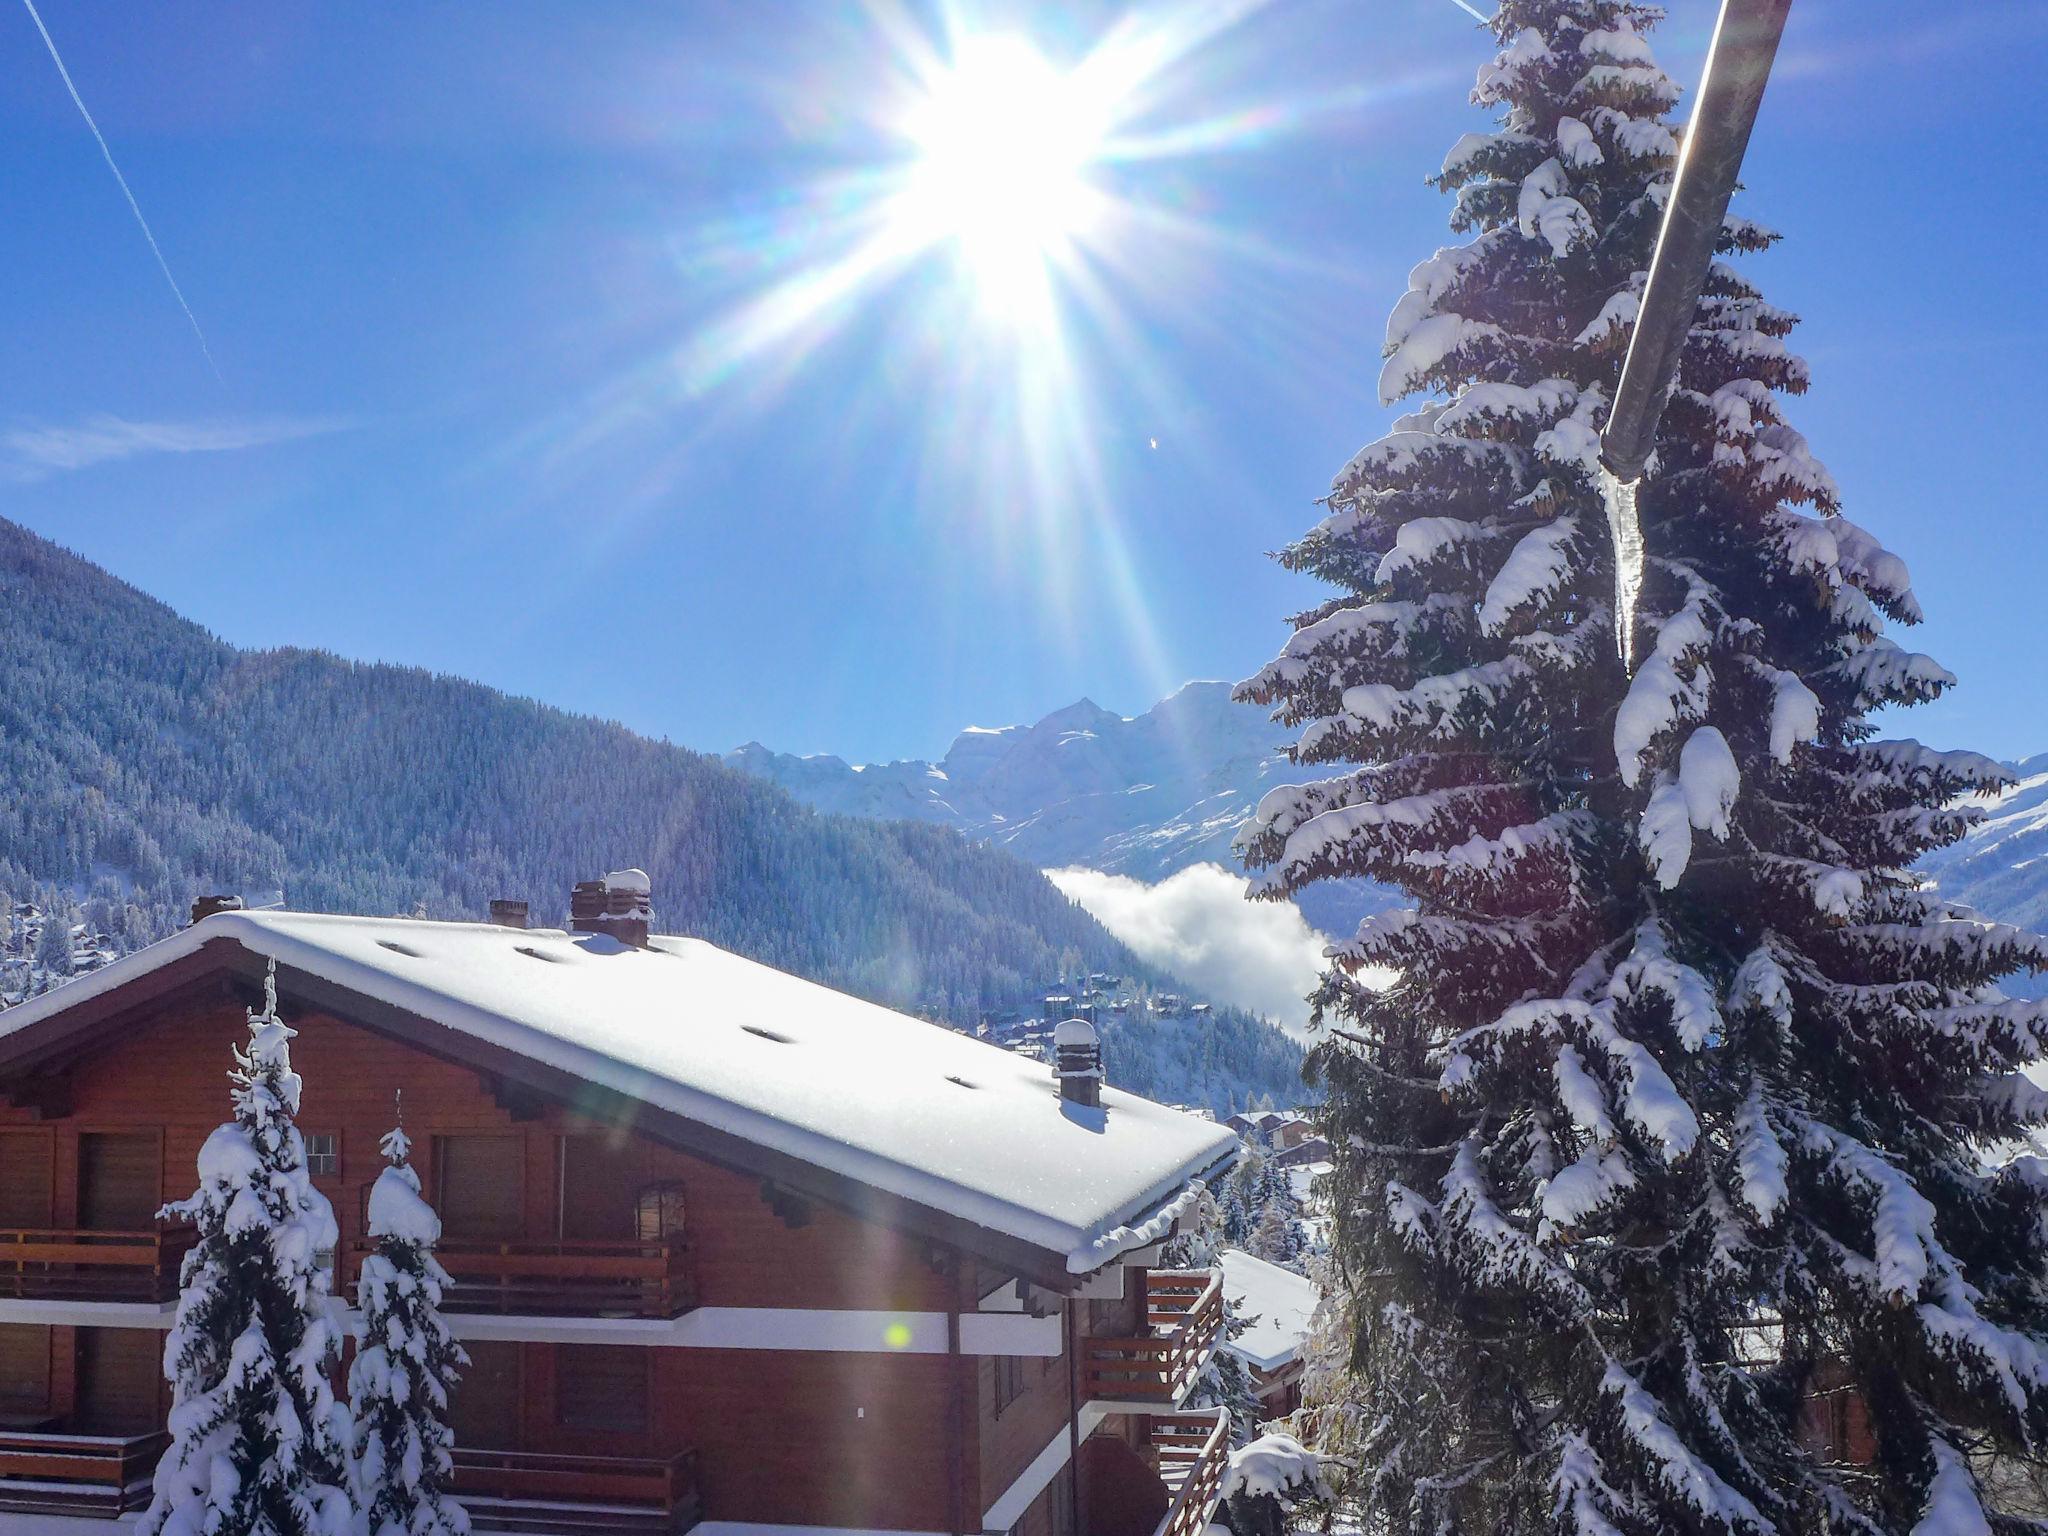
{"points": [[1542, 1055]]}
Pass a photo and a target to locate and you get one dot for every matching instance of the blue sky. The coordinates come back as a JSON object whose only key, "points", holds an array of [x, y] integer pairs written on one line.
{"points": [[473, 278]]}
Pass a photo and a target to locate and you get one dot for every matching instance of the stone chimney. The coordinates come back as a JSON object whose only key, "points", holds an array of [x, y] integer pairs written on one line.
{"points": [[620, 904], [206, 906], [508, 914], [1078, 1062]]}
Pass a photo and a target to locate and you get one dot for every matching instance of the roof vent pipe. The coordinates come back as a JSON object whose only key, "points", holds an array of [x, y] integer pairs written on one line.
{"points": [[1078, 1062], [621, 904]]}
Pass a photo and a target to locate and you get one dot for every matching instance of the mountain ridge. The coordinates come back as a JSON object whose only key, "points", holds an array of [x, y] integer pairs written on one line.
{"points": [[145, 760], [1155, 820], [1144, 795]]}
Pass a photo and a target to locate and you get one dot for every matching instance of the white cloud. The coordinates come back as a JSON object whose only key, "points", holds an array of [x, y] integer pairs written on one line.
{"points": [[1197, 925], [32, 453]]}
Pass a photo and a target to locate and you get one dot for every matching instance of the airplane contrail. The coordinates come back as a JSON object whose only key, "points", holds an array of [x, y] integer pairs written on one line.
{"points": [[135, 207], [1474, 12]]}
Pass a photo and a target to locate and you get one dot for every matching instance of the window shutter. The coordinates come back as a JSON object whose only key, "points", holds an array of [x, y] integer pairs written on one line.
{"points": [[25, 1181], [601, 1386], [120, 1182], [477, 1185], [24, 1368], [120, 1372]]}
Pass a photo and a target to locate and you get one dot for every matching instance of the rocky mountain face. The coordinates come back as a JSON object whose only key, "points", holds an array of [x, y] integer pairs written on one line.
{"points": [[1141, 795]]}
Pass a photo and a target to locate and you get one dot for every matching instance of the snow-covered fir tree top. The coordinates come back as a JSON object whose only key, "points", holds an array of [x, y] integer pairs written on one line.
{"points": [[1277, 1302], [868, 1093], [397, 1209]]}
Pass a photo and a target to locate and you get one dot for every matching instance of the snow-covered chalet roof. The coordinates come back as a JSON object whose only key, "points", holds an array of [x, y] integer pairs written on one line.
{"points": [[1281, 1301], [859, 1090]]}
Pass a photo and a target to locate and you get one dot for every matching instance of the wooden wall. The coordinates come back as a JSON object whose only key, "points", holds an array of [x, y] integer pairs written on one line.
{"points": [[783, 1437], [171, 1079], [1012, 1439]]}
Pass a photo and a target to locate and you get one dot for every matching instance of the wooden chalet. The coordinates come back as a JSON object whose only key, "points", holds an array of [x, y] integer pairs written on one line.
{"points": [[1275, 1305], [730, 1250]]}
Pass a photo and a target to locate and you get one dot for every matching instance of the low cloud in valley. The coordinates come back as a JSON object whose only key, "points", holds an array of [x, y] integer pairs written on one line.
{"points": [[1197, 925]]}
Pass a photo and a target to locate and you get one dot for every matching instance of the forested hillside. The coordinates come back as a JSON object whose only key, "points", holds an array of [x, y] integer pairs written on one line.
{"points": [[143, 761]]}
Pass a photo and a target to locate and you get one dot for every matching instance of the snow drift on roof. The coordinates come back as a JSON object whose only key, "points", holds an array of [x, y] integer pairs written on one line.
{"points": [[1281, 1301], [874, 1095]]}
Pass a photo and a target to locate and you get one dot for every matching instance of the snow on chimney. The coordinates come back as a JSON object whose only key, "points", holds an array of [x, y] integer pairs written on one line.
{"points": [[620, 904], [1078, 1062], [508, 914], [206, 906]]}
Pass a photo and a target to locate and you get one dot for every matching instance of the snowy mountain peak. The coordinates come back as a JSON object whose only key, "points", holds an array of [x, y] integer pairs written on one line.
{"points": [[1144, 795]]}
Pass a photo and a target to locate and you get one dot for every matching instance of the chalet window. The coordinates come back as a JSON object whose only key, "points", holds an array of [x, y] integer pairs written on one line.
{"points": [[323, 1155], [1009, 1381], [602, 1387], [658, 1216]]}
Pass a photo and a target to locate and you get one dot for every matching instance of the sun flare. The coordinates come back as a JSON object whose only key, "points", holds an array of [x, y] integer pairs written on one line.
{"points": [[1003, 144]]}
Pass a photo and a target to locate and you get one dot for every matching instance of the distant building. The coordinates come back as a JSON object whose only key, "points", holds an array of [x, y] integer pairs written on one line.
{"points": [[1303, 1150], [1280, 1303]]}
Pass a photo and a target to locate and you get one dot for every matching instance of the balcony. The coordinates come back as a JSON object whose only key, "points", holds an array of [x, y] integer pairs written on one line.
{"points": [[71, 1264], [1194, 1452], [1183, 1320], [43, 1472], [565, 1277], [538, 1491]]}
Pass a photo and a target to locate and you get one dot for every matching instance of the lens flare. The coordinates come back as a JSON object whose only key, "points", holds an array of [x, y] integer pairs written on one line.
{"points": [[1004, 142]]}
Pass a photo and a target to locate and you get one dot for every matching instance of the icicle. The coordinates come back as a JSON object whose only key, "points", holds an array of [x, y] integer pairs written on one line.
{"points": [[1627, 532]]}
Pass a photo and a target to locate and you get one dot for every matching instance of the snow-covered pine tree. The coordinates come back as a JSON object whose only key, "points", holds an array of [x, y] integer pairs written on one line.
{"points": [[1685, 1084], [406, 1365], [259, 1444]]}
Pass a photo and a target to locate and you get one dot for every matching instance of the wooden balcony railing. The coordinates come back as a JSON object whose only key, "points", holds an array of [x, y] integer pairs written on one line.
{"points": [[1184, 1319], [71, 1264], [1194, 1452], [48, 1473], [561, 1277], [662, 1491]]}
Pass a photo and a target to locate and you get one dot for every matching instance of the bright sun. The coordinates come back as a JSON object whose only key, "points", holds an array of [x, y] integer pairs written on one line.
{"points": [[1004, 142]]}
